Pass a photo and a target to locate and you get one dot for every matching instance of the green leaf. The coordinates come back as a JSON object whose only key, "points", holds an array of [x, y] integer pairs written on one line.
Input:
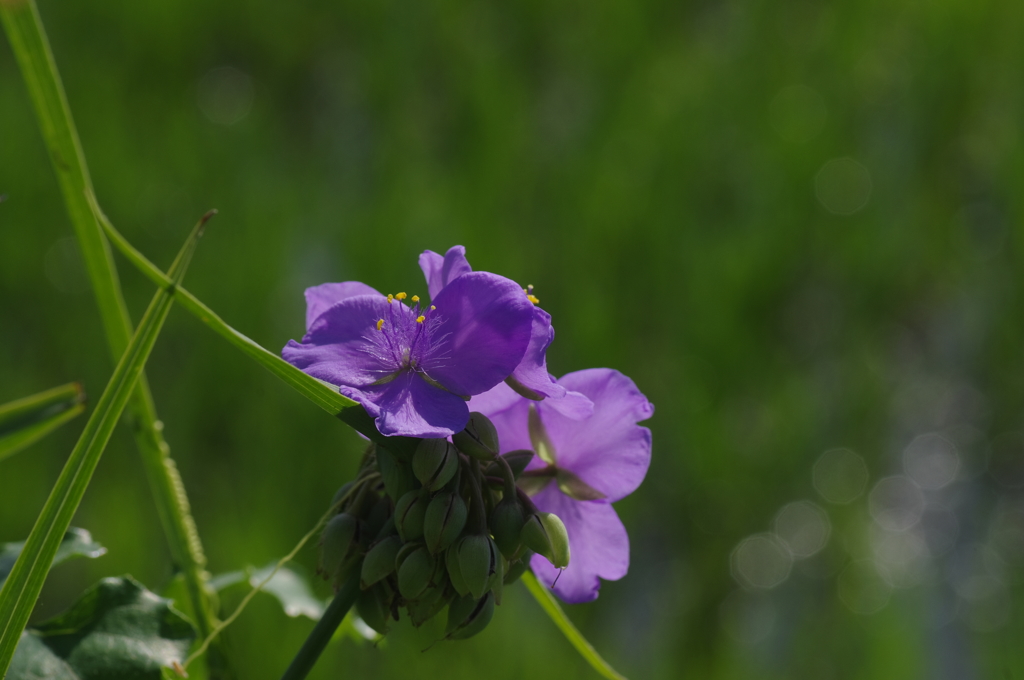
{"points": [[291, 590], [25, 421], [287, 585], [551, 607], [31, 48], [77, 543], [226, 580], [117, 629], [21, 589], [357, 630], [177, 591]]}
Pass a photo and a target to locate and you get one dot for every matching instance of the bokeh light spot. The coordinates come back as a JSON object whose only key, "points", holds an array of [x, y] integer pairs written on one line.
{"points": [[840, 476], [843, 186], [896, 503], [761, 561], [901, 557], [803, 527], [225, 95], [931, 460]]}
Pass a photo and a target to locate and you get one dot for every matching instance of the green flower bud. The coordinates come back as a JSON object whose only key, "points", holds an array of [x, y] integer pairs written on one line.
{"points": [[434, 463], [498, 580], [362, 502], [409, 513], [467, 616], [506, 524], [378, 516], [397, 476], [545, 534], [478, 562], [336, 541], [415, 572], [517, 568], [517, 462], [339, 495], [403, 552], [479, 439], [379, 561], [443, 521], [372, 607], [455, 571], [429, 604]]}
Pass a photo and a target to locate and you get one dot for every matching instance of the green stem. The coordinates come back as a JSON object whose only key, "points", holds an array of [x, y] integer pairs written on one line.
{"points": [[551, 607], [322, 633], [21, 589], [32, 50], [477, 523]]}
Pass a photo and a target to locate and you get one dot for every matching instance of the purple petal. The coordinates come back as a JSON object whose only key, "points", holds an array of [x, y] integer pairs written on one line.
{"points": [[440, 271], [320, 298], [411, 407], [483, 333], [574, 405], [532, 371], [608, 451], [335, 348], [598, 546], [509, 411], [499, 398]]}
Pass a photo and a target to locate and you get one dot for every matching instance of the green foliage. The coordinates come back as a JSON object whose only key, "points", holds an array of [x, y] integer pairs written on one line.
{"points": [[29, 419], [20, 591], [24, 29], [636, 161], [117, 630], [77, 543], [289, 586]]}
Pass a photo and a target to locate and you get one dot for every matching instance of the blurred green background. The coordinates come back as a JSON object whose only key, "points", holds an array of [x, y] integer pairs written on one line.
{"points": [[796, 225]]}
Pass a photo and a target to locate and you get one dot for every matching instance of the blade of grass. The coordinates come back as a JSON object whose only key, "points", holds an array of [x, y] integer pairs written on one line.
{"points": [[320, 393], [551, 607], [27, 420], [21, 589], [17, 413], [32, 50], [17, 440]]}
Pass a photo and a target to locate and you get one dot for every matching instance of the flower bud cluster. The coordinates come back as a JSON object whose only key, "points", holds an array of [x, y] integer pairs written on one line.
{"points": [[443, 527]]}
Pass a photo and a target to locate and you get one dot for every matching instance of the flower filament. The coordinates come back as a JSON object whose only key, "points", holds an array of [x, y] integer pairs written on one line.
{"points": [[406, 340]]}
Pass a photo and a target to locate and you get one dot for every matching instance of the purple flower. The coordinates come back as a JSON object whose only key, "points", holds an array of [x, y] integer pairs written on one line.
{"points": [[413, 368], [531, 377], [581, 467]]}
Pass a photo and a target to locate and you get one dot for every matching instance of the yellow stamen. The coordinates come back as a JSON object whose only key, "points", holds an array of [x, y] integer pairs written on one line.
{"points": [[391, 298], [432, 307], [533, 299], [420, 318], [415, 298], [400, 296], [380, 324]]}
